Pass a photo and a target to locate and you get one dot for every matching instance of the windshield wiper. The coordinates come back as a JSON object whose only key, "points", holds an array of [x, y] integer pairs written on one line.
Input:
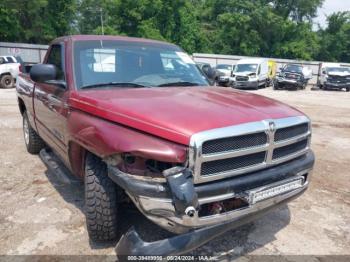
{"points": [[118, 84], [180, 83]]}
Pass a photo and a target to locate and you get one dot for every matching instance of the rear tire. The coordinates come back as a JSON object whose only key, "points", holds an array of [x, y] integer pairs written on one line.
{"points": [[7, 81], [100, 201], [32, 140]]}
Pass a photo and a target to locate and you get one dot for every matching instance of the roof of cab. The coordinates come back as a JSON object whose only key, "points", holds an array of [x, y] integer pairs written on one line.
{"points": [[108, 37]]}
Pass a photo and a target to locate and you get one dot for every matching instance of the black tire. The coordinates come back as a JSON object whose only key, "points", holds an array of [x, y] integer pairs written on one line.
{"points": [[7, 81], [32, 140], [347, 89], [100, 201]]}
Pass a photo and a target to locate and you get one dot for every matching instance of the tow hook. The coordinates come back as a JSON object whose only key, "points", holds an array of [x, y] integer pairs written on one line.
{"points": [[184, 196], [190, 211]]}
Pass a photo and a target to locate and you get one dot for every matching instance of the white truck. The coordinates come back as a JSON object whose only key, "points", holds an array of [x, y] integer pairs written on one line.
{"points": [[9, 69], [250, 73], [334, 76], [224, 73]]}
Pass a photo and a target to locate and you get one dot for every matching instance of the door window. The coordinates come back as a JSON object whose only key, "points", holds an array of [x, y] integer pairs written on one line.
{"points": [[55, 58], [10, 59]]}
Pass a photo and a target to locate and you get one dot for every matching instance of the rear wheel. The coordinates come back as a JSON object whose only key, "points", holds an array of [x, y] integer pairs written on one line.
{"points": [[347, 89], [32, 140], [7, 81], [100, 201]]}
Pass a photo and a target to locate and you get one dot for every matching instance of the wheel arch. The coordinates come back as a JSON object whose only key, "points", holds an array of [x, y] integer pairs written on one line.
{"points": [[21, 106], [76, 155]]}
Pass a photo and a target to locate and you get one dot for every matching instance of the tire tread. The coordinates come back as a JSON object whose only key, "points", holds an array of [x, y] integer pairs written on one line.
{"points": [[100, 201]]}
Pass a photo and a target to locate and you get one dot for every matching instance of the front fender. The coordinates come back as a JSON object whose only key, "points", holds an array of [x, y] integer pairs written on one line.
{"points": [[105, 138]]}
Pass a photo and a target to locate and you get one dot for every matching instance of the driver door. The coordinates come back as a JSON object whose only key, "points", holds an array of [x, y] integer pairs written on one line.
{"points": [[50, 104]]}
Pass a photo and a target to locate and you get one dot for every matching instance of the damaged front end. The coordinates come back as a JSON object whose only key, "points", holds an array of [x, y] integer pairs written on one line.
{"points": [[230, 177], [199, 213]]}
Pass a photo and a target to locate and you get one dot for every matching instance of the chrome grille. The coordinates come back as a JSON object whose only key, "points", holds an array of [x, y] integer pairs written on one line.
{"points": [[338, 79], [289, 149], [292, 76], [290, 132], [239, 149], [242, 78], [224, 165], [234, 143]]}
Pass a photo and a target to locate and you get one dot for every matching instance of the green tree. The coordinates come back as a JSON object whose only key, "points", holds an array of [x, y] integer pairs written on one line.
{"points": [[10, 28], [35, 21], [297, 10], [335, 39]]}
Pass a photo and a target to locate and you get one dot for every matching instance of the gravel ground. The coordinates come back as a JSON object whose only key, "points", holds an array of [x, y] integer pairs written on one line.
{"points": [[40, 215]]}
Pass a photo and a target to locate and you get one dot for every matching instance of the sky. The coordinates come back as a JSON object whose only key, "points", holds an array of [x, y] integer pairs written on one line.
{"points": [[329, 7]]}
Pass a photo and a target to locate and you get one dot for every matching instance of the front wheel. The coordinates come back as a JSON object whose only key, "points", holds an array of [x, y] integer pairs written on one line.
{"points": [[32, 140], [100, 201]]}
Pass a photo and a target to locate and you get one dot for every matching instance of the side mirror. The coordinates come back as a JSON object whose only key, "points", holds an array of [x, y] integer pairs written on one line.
{"points": [[46, 73], [209, 72], [324, 72], [43, 72]]}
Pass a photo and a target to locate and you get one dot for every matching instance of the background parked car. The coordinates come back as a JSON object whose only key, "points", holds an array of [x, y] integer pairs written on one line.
{"points": [[224, 73], [292, 76], [334, 76], [9, 69], [251, 73], [207, 70]]}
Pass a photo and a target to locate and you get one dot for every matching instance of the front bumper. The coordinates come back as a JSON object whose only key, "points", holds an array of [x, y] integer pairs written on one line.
{"points": [[337, 85], [154, 200], [131, 244], [225, 80], [246, 84], [288, 82]]}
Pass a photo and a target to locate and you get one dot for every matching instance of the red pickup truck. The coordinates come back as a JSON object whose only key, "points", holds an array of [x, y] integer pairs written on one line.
{"points": [[138, 121]]}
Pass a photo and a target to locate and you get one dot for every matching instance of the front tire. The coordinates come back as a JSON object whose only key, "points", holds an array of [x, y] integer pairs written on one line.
{"points": [[7, 81], [32, 140], [100, 201]]}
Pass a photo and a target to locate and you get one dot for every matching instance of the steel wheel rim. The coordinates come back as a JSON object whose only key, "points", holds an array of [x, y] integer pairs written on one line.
{"points": [[26, 131]]}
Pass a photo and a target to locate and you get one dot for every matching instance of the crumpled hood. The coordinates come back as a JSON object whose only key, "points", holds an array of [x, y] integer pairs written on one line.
{"points": [[224, 72], [245, 73], [339, 73], [176, 113]]}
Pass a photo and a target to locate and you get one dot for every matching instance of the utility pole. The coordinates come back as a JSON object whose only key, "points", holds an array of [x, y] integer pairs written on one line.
{"points": [[101, 15]]}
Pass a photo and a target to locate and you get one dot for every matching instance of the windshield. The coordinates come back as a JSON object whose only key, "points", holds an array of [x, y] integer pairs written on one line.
{"points": [[226, 67], [338, 69], [294, 68], [133, 63], [246, 68]]}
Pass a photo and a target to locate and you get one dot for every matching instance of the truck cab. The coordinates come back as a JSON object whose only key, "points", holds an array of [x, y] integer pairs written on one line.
{"points": [[251, 73], [334, 76]]}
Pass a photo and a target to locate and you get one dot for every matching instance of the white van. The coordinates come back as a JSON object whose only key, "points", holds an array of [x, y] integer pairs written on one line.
{"points": [[334, 76], [251, 73]]}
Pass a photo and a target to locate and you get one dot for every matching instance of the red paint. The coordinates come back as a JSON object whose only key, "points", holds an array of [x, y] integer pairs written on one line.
{"points": [[177, 113], [154, 123]]}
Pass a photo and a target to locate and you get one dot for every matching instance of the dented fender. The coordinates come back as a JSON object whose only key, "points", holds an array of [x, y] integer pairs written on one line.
{"points": [[105, 138]]}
